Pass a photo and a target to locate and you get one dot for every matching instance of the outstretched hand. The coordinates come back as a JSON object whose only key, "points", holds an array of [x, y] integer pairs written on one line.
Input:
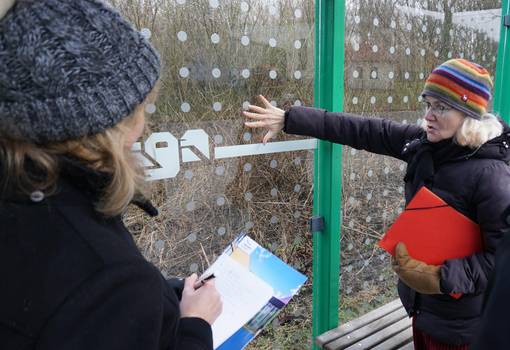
{"points": [[269, 117]]}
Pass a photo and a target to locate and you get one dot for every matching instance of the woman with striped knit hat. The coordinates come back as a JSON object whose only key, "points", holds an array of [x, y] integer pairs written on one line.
{"points": [[460, 152]]}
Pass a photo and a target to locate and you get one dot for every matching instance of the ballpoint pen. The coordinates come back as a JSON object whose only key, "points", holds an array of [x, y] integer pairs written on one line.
{"points": [[202, 281]]}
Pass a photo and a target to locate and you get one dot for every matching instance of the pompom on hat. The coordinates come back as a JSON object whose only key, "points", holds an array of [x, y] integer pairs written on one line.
{"points": [[70, 69], [461, 84]]}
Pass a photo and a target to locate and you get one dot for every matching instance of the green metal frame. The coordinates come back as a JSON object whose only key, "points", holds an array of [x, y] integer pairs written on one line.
{"points": [[502, 84], [329, 90]]}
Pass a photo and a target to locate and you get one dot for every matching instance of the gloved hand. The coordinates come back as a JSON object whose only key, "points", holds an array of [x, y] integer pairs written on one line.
{"points": [[414, 273]]}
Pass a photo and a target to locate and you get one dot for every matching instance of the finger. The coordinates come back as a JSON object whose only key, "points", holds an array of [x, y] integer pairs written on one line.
{"points": [[259, 124], [254, 115], [189, 282], [256, 109], [268, 136], [264, 101], [401, 250]]}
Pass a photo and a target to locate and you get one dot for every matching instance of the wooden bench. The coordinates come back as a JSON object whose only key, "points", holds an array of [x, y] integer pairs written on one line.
{"points": [[385, 328]]}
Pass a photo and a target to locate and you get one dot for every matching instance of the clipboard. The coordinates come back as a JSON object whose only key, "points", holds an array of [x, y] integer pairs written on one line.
{"points": [[433, 231]]}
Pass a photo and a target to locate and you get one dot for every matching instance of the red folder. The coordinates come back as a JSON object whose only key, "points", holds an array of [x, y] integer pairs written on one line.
{"points": [[433, 231]]}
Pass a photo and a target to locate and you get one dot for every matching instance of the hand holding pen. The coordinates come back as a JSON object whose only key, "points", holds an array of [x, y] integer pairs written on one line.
{"points": [[203, 280], [200, 298]]}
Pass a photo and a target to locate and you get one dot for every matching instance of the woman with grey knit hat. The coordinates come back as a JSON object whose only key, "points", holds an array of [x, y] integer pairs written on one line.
{"points": [[74, 79], [460, 153]]}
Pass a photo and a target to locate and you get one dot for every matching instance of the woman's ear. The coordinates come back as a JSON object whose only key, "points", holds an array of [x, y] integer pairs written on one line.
{"points": [[5, 5]]}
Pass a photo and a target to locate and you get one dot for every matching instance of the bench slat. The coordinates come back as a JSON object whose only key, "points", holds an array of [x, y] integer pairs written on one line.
{"points": [[367, 330], [397, 335], [409, 346], [351, 326]]}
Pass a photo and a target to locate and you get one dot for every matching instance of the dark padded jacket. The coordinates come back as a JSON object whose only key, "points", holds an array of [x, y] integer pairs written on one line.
{"points": [[476, 184], [73, 279]]}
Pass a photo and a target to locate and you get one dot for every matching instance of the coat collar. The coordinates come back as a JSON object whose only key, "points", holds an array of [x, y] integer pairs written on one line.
{"points": [[88, 181]]}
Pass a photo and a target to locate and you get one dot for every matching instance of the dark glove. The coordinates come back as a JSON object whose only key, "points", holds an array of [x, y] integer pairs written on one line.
{"points": [[414, 273]]}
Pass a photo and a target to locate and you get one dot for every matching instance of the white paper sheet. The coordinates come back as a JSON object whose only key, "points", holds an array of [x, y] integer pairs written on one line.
{"points": [[243, 295]]}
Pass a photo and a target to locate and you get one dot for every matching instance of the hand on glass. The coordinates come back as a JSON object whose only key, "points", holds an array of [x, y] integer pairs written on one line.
{"points": [[269, 117], [204, 302]]}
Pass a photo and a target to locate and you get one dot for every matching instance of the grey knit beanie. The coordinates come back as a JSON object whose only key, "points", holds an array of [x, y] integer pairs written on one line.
{"points": [[70, 68]]}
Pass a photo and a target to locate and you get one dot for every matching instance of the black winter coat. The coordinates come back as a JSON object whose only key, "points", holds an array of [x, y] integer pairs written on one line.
{"points": [[493, 331], [475, 183], [73, 279]]}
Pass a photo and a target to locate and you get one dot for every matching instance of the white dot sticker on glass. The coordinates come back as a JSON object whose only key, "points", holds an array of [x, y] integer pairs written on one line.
{"points": [[246, 105], [357, 19], [297, 75], [221, 231], [184, 72], [373, 100], [297, 44], [247, 136], [390, 99], [182, 36], [245, 73], [355, 100], [220, 200], [216, 73], [376, 21], [355, 46], [391, 75], [216, 106], [392, 50], [274, 192], [215, 38], [185, 107], [247, 167], [272, 42], [245, 40], [214, 4], [273, 164], [150, 108], [245, 7], [273, 74], [298, 13], [408, 51]]}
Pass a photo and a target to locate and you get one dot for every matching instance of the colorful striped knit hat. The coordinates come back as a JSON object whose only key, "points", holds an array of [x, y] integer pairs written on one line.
{"points": [[463, 85]]}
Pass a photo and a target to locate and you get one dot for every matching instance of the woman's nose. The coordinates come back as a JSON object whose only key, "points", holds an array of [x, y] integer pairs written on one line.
{"points": [[429, 115]]}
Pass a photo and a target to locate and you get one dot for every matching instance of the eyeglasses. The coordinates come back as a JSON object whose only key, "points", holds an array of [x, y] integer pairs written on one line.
{"points": [[438, 109]]}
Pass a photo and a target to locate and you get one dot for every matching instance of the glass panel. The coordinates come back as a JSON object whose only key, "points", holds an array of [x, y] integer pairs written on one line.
{"points": [[391, 46], [213, 179]]}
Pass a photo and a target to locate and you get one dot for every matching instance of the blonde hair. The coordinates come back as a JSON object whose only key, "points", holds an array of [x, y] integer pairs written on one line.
{"points": [[473, 133], [28, 167]]}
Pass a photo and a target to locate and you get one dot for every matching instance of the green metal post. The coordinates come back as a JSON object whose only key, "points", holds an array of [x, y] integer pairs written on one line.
{"points": [[329, 81], [502, 84]]}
